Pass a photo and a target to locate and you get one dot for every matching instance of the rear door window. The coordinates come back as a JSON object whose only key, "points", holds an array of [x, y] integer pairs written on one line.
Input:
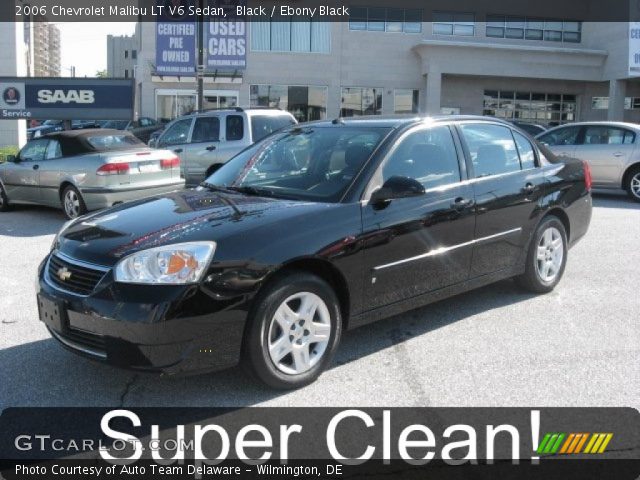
{"points": [[526, 151], [235, 128], [54, 150], [492, 149], [561, 136], [206, 129], [605, 135], [263, 125]]}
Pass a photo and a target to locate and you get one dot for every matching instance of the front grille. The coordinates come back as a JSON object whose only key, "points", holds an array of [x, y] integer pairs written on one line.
{"points": [[81, 280], [86, 339]]}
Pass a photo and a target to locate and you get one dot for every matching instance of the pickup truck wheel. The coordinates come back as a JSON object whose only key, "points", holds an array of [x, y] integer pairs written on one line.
{"points": [[72, 203], [633, 184], [546, 258], [294, 331], [4, 201]]}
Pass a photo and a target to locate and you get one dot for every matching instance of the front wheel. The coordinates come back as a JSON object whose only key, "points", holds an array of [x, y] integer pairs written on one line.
{"points": [[633, 184], [294, 331], [72, 203], [4, 201], [546, 258]]}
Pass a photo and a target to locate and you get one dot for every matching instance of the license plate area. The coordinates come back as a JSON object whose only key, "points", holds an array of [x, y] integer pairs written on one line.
{"points": [[148, 167], [52, 313]]}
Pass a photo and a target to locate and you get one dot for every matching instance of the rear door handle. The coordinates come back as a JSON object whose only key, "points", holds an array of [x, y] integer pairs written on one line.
{"points": [[618, 154], [177, 150], [211, 148], [461, 202], [529, 188]]}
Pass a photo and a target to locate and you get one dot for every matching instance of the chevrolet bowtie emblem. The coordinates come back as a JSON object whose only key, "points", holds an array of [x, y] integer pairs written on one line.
{"points": [[63, 274]]}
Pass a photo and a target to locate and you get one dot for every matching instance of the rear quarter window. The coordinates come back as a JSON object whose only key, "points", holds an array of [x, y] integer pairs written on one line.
{"points": [[263, 125]]}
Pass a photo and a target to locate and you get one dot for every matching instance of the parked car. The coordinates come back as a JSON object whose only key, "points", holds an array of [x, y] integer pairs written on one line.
{"points": [[153, 138], [50, 126], [532, 129], [141, 128], [83, 170], [319, 228], [610, 148], [205, 141]]}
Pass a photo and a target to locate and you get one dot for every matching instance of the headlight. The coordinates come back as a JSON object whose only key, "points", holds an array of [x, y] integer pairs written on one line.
{"points": [[37, 134], [177, 264]]}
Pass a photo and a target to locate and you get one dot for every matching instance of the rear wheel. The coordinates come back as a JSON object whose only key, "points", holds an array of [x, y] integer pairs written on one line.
{"points": [[4, 201], [294, 331], [546, 258], [632, 185], [72, 203]]}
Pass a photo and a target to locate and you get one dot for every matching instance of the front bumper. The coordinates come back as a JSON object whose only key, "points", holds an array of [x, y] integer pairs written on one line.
{"points": [[97, 198], [168, 329]]}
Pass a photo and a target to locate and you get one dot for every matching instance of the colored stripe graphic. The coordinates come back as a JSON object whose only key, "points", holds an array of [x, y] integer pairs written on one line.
{"points": [[573, 443]]}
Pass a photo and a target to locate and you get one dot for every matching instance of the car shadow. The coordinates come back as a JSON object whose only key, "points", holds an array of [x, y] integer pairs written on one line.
{"points": [[614, 199], [30, 221], [41, 373]]}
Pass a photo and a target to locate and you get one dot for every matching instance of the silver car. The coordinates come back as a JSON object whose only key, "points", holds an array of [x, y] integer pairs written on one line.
{"points": [[205, 141], [82, 170], [610, 148]]}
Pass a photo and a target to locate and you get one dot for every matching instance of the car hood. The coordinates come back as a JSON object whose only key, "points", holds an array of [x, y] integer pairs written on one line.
{"points": [[184, 216]]}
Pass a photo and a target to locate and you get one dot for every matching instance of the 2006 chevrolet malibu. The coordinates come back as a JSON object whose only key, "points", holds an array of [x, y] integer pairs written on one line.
{"points": [[316, 229]]}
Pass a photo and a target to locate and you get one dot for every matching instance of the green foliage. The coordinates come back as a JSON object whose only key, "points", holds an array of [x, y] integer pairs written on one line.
{"points": [[8, 150]]}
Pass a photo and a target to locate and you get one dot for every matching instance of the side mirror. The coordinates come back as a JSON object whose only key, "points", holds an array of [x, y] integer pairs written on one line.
{"points": [[397, 187], [12, 159]]}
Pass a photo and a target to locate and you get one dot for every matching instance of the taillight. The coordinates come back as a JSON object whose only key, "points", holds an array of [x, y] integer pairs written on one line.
{"points": [[587, 176], [113, 169], [167, 163]]}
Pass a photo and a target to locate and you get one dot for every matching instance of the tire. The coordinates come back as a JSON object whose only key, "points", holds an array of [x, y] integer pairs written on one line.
{"points": [[4, 200], [72, 203], [276, 341], [546, 258], [632, 184]]}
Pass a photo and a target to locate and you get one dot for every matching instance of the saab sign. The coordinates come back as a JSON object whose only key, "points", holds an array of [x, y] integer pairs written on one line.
{"points": [[66, 98]]}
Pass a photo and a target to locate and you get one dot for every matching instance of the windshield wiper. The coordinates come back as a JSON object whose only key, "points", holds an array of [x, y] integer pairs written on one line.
{"points": [[250, 190], [216, 188]]}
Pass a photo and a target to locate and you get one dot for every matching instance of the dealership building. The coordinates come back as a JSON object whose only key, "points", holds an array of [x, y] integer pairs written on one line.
{"points": [[386, 61]]}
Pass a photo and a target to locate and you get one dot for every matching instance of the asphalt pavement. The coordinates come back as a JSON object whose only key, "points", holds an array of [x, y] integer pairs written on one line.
{"points": [[497, 346]]}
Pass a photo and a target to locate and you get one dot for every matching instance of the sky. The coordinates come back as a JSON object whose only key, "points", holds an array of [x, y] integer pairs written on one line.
{"points": [[84, 45]]}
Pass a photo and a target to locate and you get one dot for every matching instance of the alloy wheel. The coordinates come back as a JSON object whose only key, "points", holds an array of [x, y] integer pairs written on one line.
{"points": [[635, 185], [299, 333], [71, 204], [550, 254]]}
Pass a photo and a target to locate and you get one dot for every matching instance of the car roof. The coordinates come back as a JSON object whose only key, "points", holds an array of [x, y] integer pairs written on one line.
{"points": [[396, 121], [238, 110], [85, 133], [601, 123]]}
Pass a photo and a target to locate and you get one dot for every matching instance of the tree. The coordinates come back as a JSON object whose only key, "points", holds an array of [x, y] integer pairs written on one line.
{"points": [[101, 74]]}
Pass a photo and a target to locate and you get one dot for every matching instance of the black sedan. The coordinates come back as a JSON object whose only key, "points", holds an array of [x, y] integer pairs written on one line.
{"points": [[314, 230], [142, 128]]}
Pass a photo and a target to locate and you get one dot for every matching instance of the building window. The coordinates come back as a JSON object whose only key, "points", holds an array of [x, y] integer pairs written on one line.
{"points": [[134, 54], [500, 26], [380, 19], [602, 103], [358, 101], [126, 73], [304, 103], [406, 101], [548, 108], [448, 23], [126, 54], [291, 36]]}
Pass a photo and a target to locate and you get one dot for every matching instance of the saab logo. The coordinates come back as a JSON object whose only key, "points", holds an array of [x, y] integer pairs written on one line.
{"points": [[11, 96], [63, 274], [70, 96]]}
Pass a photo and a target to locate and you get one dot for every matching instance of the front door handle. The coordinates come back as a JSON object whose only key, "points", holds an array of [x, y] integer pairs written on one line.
{"points": [[461, 202], [211, 148], [36, 167], [529, 188], [618, 154], [177, 150]]}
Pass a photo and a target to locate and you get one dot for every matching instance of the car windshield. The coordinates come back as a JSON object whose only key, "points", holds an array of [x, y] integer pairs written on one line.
{"points": [[113, 142], [307, 163], [52, 122], [116, 124]]}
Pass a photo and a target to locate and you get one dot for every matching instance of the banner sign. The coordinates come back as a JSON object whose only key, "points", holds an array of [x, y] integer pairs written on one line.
{"points": [[634, 49], [326, 443], [66, 98], [226, 38], [176, 38]]}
